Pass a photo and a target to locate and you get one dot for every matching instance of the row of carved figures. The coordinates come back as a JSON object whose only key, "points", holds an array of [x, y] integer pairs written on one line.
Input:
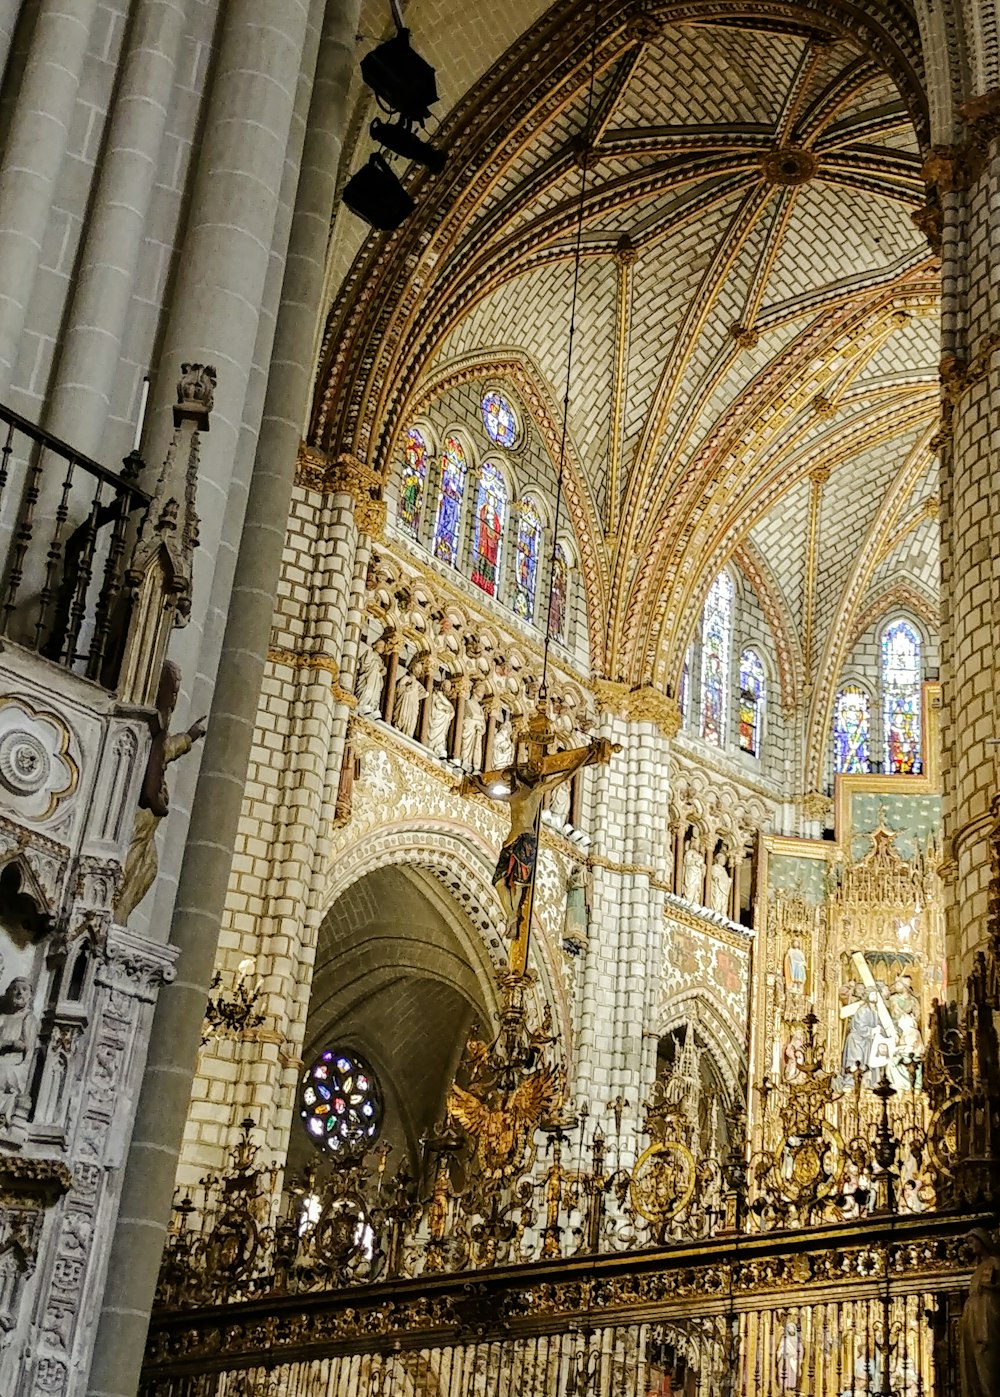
{"points": [[707, 875]]}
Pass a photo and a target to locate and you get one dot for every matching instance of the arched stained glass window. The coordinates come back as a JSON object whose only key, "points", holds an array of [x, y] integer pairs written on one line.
{"points": [[412, 478], [499, 419], [560, 593], [529, 540], [752, 696], [851, 731], [901, 698], [340, 1104], [447, 530], [487, 528], [685, 700], [716, 630]]}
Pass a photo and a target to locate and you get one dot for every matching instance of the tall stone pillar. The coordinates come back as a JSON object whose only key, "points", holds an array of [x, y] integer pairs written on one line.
{"points": [[9, 11], [115, 232], [205, 873], [968, 183], [33, 157]]}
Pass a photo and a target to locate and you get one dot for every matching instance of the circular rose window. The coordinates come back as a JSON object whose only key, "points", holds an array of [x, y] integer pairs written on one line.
{"points": [[499, 419], [340, 1104]]}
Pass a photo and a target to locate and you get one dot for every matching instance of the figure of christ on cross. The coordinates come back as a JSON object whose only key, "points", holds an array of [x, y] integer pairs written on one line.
{"points": [[524, 788]]}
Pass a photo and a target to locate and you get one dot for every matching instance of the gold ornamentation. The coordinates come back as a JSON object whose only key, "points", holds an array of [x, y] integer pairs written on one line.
{"points": [[311, 468], [745, 336], [645, 704], [789, 165], [370, 517], [816, 806]]}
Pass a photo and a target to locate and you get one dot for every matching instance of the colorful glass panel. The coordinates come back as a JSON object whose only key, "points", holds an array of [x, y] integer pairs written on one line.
{"points": [[752, 684], [447, 529], [491, 505], [851, 731], [340, 1104], [411, 484], [499, 419], [558, 594], [901, 698], [716, 630], [529, 538], [686, 687]]}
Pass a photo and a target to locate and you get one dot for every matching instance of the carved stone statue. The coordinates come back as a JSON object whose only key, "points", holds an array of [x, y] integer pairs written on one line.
{"points": [[979, 1327], [722, 882], [503, 744], [473, 732], [577, 920], [154, 800], [442, 717], [794, 1057], [795, 968], [694, 876], [18, 1036], [560, 802], [406, 702], [370, 679]]}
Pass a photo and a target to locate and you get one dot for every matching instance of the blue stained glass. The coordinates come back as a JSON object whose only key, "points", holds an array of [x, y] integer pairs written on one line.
{"points": [[491, 505], [411, 485], [560, 591], [715, 635], [901, 698], [751, 702], [529, 537], [449, 517], [499, 419], [337, 1117], [851, 731]]}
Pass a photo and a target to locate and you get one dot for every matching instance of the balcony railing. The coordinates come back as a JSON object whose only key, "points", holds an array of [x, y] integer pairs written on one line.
{"points": [[66, 521]]}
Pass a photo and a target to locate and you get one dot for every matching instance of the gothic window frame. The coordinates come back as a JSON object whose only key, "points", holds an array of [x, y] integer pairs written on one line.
{"points": [[471, 466], [428, 484], [852, 684], [563, 549], [759, 700], [324, 1084], [497, 443], [715, 616], [490, 468], [899, 690], [526, 504]]}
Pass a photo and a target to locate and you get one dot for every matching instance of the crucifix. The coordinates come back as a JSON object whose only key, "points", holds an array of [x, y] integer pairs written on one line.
{"points": [[523, 786]]}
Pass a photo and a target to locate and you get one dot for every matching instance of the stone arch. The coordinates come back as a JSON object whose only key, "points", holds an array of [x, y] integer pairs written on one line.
{"points": [[713, 1024]]}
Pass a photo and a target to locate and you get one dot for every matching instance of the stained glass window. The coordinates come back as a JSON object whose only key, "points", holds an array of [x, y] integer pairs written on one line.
{"points": [[499, 419], [411, 484], [752, 684], [851, 731], [686, 686], [560, 591], [487, 529], [447, 530], [340, 1104], [716, 628], [901, 698], [529, 538]]}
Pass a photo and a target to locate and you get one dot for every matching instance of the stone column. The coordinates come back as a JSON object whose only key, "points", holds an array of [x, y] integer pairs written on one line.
{"points": [[251, 148], [115, 231], [968, 181], [9, 10], [33, 158]]}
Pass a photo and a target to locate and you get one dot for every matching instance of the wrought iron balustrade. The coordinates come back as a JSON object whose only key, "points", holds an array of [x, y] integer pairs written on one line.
{"points": [[65, 520]]}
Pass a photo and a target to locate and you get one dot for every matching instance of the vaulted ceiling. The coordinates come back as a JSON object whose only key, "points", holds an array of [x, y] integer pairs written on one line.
{"points": [[754, 358]]}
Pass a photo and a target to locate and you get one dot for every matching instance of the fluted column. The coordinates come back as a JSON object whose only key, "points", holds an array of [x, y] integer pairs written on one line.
{"points": [[96, 319], [33, 158], [211, 835]]}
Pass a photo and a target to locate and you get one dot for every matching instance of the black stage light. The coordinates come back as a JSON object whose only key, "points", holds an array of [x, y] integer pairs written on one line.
{"points": [[401, 79], [398, 138], [376, 195]]}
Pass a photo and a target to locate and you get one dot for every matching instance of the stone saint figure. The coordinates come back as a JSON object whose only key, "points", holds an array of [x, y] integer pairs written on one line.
{"points": [[979, 1327], [526, 789], [721, 884], [442, 716], [694, 876], [861, 1032], [154, 800], [406, 703], [370, 679], [18, 1035], [503, 744], [473, 732], [796, 968]]}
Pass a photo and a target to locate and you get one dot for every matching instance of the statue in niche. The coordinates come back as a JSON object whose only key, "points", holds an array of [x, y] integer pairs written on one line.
{"points": [[796, 970], [694, 875], [979, 1327], [788, 1356], [722, 883], [858, 1009], [576, 924], [154, 800], [793, 1060], [442, 717], [473, 732], [503, 744], [18, 1036], [406, 702], [370, 679]]}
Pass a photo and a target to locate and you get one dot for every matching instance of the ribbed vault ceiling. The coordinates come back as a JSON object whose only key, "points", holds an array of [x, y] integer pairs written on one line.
{"points": [[758, 166]]}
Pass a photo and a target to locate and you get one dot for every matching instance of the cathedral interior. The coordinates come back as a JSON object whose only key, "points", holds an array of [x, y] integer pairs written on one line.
{"points": [[499, 704]]}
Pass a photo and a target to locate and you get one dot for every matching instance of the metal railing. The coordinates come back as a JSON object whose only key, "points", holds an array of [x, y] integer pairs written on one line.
{"points": [[65, 521]]}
